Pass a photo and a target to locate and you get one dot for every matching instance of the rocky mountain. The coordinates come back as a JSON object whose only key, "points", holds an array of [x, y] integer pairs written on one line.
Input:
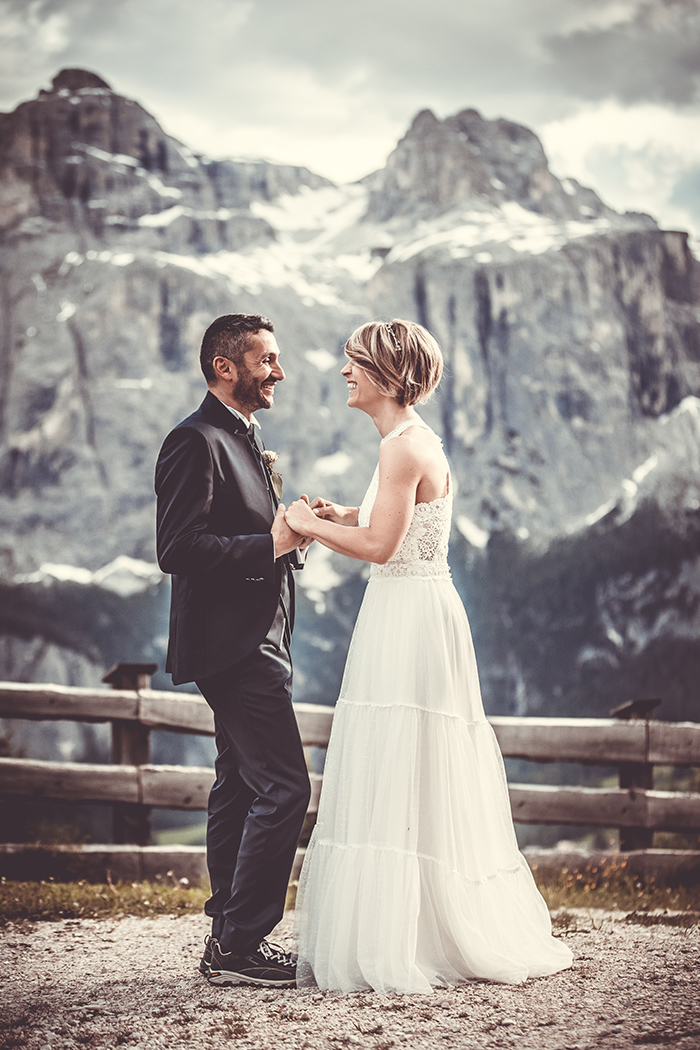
{"points": [[570, 408]]}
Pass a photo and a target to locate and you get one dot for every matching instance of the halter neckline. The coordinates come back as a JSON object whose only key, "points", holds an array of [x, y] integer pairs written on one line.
{"points": [[416, 422]]}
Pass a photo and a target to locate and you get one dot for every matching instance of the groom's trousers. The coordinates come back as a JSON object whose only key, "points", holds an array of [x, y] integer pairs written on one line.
{"points": [[259, 799]]}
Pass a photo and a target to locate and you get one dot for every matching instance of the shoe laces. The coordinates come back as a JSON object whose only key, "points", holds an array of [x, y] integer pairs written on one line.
{"points": [[274, 953]]}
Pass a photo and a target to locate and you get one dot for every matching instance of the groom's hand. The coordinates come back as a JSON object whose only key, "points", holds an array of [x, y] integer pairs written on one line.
{"points": [[284, 538]]}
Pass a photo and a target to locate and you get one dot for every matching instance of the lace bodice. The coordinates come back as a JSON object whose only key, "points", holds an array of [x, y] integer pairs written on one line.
{"points": [[423, 553]]}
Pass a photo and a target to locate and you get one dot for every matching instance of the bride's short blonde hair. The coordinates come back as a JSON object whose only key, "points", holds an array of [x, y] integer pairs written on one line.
{"points": [[401, 358]]}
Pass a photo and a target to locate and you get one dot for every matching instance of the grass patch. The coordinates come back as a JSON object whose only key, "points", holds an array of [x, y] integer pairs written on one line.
{"points": [[612, 889], [37, 901], [609, 890], [684, 921]]}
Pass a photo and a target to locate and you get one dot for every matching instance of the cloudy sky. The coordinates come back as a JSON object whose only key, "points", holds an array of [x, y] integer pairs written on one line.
{"points": [[611, 86]]}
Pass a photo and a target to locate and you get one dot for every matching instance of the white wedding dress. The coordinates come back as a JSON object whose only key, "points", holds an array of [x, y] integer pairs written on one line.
{"points": [[413, 877]]}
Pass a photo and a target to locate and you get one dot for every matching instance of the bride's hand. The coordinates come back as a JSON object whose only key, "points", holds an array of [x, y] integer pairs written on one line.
{"points": [[334, 512], [300, 512]]}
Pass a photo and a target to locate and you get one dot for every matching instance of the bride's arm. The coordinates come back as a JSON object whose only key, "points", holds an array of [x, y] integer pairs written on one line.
{"points": [[399, 475]]}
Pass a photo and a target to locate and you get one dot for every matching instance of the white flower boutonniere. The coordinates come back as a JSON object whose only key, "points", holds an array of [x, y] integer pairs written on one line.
{"points": [[269, 458]]}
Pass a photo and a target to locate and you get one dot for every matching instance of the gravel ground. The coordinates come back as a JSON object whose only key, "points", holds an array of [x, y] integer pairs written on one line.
{"points": [[128, 982]]}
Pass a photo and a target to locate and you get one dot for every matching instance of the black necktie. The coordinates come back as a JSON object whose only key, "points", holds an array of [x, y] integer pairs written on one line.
{"points": [[258, 447], [254, 439]]}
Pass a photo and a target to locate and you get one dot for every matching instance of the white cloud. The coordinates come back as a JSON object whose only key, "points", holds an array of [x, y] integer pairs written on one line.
{"points": [[52, 35], [634, 156], [31, 41], [611, 124], [26, 26], [602, 16]]}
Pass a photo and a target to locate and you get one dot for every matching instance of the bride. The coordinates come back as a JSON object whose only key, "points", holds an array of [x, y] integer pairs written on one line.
{"points": [[412, 878]]}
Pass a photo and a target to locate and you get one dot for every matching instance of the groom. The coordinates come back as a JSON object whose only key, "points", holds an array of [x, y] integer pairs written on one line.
{"points": [[223, 537]]}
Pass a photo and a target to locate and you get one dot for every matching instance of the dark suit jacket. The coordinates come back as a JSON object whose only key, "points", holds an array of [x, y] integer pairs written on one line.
{"points": [[214, 515]]}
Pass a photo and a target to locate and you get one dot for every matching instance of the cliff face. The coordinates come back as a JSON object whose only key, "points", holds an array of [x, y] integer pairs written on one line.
{"points": [[441, 164], [104, 219], [559, 366], [569, 412], [82, 155]]}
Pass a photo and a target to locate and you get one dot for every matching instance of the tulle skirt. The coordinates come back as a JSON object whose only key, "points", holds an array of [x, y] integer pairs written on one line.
{"points": [[413, 878]]}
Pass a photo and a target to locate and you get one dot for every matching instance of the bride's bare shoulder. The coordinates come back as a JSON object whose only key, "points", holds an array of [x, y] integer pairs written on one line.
{"points": [[416, 447], [421, 442]]}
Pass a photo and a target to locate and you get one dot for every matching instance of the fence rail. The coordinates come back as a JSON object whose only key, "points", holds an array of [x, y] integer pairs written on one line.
{"points": [[187, 788], [177, 712], [588, 741], [133, 786], [164, 787]]}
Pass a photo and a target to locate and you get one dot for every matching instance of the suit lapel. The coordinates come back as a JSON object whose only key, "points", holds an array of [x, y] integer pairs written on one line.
{"points": [[217, 413]]}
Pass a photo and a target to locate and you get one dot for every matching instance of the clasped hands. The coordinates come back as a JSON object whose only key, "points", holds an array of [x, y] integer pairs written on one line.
{"points": [[293, 525]]}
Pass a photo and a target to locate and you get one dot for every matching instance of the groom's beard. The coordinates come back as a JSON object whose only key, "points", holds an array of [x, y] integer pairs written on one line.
{"points": [[252, 393]]}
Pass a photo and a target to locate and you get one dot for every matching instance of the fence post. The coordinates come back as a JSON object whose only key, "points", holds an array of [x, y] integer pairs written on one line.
{"points": [[130, 747], [636, 774]]}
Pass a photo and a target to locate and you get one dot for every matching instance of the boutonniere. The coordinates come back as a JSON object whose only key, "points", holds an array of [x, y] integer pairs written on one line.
{"points": [[269, 458]]}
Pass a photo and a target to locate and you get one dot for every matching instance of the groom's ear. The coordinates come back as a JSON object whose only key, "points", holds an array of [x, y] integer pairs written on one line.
{"points": [[224, 370]]}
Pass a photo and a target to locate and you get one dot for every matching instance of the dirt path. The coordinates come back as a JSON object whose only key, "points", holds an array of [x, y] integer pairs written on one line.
{"points": [[134, 982]]}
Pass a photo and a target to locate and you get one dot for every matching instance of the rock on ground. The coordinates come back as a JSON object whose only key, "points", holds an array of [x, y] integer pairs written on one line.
{"points": [[128, 982]]}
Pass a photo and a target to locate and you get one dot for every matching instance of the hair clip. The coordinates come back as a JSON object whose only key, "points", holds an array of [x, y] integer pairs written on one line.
{"points": [[394, 338]]}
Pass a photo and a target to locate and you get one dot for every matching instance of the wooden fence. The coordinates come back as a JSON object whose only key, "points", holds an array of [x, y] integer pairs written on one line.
{"points": [[632, 741]]}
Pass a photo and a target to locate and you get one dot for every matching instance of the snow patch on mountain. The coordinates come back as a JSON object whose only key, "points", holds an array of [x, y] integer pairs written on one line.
{"points": [[321, 359], [326, 211], [334, 465], [123, 576], [73, 259], [625, 504], [319, 576], [122, 160], [474, 535], [688, 406], [258, 268], [523, 231]]}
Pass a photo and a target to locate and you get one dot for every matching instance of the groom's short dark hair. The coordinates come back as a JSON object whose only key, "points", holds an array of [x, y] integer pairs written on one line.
{"points": [[228, 336]]}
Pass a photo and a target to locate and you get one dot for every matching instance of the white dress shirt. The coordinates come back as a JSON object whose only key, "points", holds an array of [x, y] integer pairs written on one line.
{"points": [[239, 415]]}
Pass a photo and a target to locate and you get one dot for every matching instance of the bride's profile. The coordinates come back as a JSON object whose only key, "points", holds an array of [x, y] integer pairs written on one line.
{"points": [[412, 878]]}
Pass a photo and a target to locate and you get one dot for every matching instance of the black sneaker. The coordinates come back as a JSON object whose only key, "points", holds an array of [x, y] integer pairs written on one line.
{"points": [[205, 961], [267, 964]]}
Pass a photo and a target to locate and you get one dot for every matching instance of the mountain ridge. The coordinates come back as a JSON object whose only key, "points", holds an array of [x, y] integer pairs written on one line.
{"points": [[571, 335]]}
